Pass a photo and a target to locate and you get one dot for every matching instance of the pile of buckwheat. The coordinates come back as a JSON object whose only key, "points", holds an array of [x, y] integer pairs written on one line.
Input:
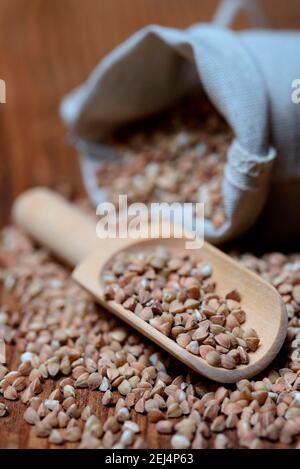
{"points": [[176, 294], [63, 338], [178, 156]]}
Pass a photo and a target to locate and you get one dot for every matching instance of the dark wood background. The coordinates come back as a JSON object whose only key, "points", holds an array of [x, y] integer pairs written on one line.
{"points": [[47, 48]]}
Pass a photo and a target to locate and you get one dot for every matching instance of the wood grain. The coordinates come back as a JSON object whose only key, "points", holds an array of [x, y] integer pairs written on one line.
{"points": [[47, 48]]}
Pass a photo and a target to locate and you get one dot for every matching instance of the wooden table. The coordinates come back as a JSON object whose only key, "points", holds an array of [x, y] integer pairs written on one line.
{"points": [[46, 49]]}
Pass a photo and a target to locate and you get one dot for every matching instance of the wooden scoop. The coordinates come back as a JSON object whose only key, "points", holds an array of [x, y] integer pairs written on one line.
{"points": [[71, 235]]}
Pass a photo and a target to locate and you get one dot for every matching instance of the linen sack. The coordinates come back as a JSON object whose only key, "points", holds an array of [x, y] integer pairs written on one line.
{"points": [[248, 77]]}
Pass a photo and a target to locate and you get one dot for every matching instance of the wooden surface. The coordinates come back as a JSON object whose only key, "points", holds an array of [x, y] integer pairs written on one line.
{"points": [[47, 48]]}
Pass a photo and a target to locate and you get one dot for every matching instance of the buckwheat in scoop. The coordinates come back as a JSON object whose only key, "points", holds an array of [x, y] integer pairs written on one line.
{"points": [[177, 295]]}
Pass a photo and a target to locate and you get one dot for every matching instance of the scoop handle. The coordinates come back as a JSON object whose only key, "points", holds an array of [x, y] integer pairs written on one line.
{"points": [[56, 224], [62, 227]]}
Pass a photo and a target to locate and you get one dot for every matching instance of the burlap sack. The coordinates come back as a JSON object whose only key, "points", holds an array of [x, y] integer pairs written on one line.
{"points": [[248, 77]]}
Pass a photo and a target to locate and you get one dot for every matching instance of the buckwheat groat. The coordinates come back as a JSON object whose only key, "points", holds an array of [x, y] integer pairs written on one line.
{"points": [[177, 295], [69, 351], [176, 157]]}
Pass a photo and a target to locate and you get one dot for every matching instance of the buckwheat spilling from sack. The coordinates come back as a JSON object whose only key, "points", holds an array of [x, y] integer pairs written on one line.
{"points": [[176, 157], [74, 359], [176, 294]]}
